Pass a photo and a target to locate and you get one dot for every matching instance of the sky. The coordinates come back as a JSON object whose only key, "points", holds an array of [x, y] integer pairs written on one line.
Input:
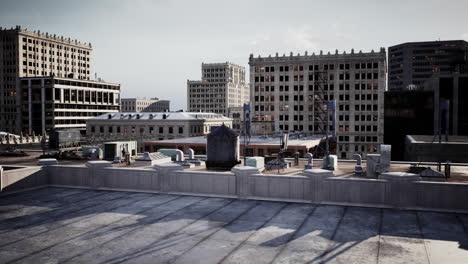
{"points": [[153, 47]]}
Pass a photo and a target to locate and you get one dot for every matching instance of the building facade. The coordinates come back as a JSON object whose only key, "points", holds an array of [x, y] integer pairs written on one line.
{"points": [[49, 103], [25, 53], [222, 86], [408, 112], [411, 64], [454, 89], [144, 127], [290, 93], [144, 105]]}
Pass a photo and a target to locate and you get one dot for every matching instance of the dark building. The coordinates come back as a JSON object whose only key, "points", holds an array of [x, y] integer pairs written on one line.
{"points": [[407, 113], [411, 64], [454, 88]]}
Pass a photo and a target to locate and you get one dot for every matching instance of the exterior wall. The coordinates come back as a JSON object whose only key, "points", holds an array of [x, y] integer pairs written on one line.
{"points": [[431, 151], [50, 103], [30, 54], [411, 64], [22, 178], [285, 92], [222, 86], [144, 105], [407, 113], [314, 186], [102, 130], [451, 87], [236, 114]]}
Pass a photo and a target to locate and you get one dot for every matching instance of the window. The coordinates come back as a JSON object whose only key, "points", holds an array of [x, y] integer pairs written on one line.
{"points": [[171, 130], [181, 130]]}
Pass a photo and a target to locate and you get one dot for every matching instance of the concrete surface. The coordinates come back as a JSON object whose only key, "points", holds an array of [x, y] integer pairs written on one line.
{"points": [[56, 225]]}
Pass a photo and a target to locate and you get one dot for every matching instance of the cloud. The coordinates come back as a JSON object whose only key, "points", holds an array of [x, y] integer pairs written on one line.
{"points": [[295, 39], [301, 39], [465, 36]]}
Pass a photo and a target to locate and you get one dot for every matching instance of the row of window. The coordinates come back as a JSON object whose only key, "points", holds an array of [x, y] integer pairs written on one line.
{"points": [[318, 77], [52, 45], [316, 67], [325, 87], [134, 129]]}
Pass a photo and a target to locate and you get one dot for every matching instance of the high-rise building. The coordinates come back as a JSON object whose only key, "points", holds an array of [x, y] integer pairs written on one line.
{"points": [[290, 93], [411, 64], [54, 103], [222, 86], [408, 112], [451, 88], [144, 105], [25, 53]]}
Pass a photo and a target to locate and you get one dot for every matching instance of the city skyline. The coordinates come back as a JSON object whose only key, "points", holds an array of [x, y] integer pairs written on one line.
{"points": [[151, 49]]}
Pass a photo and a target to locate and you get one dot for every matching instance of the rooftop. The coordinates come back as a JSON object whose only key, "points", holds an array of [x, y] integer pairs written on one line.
{"points": [[308, 142], [435, 140], [161, 116], [91, 226], [417, 43], [321, 55], [68, 81]]}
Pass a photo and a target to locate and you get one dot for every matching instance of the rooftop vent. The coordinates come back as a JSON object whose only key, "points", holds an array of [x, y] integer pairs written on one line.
{"points": [[138, 116], [151, 116], [129, 116]]}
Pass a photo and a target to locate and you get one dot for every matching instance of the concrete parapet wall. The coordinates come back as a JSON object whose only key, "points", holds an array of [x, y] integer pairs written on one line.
{"points": [[22, 178], [440, 196], [315, 186], [354, 191], [78, 176], [279, 187], [209, 183]]}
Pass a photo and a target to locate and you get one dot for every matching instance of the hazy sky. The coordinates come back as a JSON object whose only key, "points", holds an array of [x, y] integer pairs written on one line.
{"points": [[153, 47]]}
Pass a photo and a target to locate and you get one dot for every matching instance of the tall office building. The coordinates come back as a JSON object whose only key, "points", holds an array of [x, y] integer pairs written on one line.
{"points": [[25, 53], [411, 64], [54, 103], [144, 105], [289, 93], [222, 86]]}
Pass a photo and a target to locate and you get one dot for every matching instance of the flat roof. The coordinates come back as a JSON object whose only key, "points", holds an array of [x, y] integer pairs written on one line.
{"points": [[435, 139], [308, 142], [68, 79], [160, 116], [89, 226]]}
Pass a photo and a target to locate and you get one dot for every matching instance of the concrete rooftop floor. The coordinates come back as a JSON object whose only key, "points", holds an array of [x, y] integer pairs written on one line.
{"points": [[56, 225]]}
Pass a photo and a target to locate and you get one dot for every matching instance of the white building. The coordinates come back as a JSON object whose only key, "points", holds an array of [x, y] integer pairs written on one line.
{"points": [[222, 86], [144, 105], [124, 126]]}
